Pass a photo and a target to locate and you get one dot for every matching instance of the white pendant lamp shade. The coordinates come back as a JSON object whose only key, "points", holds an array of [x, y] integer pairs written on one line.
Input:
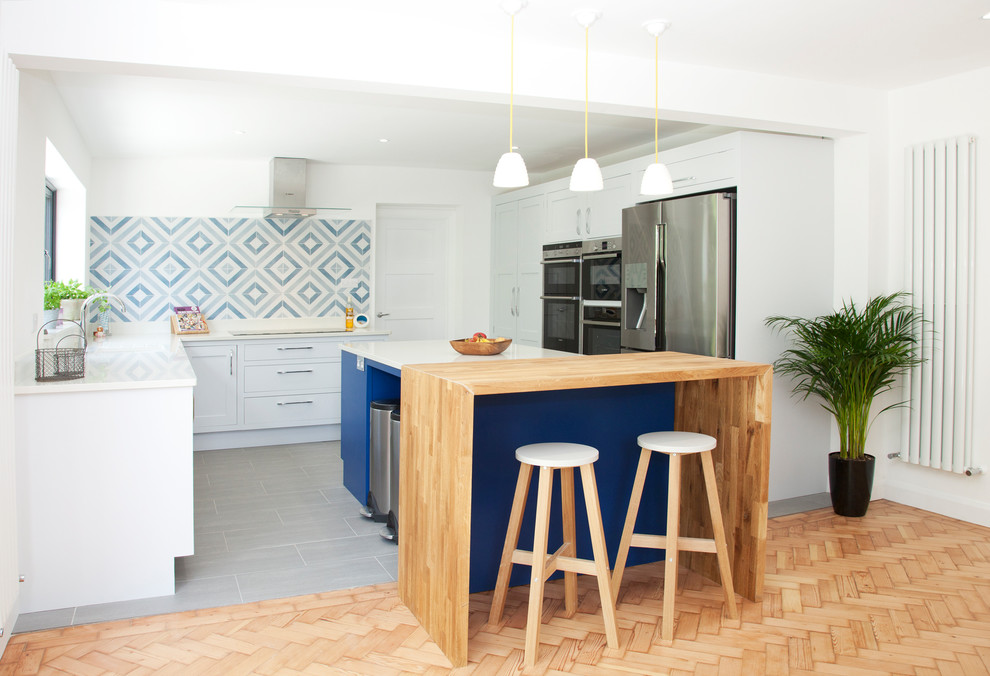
{"points": [[656, 180], [511, 169], [587, 176], [511, 172]]}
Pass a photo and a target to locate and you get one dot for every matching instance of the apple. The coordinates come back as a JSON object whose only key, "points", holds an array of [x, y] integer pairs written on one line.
{"points": [[478, 337]]}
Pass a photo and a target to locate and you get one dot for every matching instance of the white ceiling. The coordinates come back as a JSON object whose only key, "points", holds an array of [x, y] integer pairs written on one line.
{"points": [[881, 44]]}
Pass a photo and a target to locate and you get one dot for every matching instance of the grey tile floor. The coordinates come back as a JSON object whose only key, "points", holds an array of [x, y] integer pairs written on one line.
{"points": [[272, 522]]}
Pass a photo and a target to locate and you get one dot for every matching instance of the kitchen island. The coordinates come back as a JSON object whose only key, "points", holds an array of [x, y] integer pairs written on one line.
{"points": [[461, 423]]}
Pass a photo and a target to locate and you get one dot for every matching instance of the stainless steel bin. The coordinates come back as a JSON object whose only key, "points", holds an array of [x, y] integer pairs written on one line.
{"points": [[379, 461], [391, 529]]}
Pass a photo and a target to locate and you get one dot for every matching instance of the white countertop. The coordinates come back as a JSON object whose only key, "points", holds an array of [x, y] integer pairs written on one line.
{"points": [[278, 332], [400, 353], [117, 363]]}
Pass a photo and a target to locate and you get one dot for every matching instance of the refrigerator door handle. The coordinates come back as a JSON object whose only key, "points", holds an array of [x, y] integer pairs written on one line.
{"points": [[661, 290]]}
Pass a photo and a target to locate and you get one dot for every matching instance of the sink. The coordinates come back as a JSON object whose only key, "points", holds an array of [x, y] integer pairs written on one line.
{"points": [[282, 332]]}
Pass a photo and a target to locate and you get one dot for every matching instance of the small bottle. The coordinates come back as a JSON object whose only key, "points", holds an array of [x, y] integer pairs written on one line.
{"points": [[349, 319]]}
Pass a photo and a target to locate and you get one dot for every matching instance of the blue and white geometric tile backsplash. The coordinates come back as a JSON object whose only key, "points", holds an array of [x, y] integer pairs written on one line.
{"points": [[233, 268]]}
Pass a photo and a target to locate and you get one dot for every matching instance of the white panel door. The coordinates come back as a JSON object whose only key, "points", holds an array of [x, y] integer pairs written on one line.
{"points": [[411, 258]]}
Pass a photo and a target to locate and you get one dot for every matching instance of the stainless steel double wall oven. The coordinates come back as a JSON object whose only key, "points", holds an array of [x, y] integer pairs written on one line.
{"points": [[601, 292], [562, 296], [582, 296]]}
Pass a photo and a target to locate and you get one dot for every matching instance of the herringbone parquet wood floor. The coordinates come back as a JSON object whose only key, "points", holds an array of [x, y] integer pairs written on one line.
{"points": [[900, 591]]}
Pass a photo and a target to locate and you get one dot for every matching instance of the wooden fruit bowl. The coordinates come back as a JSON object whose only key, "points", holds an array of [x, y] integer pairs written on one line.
{"points": [[464, 346]]}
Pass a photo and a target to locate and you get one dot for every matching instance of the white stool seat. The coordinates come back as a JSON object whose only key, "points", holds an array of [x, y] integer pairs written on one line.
{"points": [[557, 454], [676, 442]]}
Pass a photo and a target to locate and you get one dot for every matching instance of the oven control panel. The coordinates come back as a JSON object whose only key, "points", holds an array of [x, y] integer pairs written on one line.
{"points": [[602, 245], [561, 250]]}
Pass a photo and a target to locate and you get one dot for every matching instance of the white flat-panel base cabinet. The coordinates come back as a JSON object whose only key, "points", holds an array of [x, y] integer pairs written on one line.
{"points": [[105, 494]]}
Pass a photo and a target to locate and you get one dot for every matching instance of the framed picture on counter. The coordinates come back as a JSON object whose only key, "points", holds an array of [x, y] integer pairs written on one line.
{"points": [[189, 320]]}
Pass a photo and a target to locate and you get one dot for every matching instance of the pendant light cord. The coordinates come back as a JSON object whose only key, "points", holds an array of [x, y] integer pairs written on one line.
{"points": [[656, 100], [512, 73], [586, 91]]}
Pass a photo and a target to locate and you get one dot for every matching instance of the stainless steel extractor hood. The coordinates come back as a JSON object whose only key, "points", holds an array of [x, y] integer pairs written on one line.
{"points": [[287, 188], [287, 191]]}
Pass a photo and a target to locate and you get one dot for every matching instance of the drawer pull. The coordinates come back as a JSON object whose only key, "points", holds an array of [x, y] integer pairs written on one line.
{"points": [[293, 403], [282, 373], [303, 347]]}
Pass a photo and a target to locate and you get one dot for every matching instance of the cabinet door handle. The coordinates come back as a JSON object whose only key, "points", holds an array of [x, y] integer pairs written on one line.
{"points": [[282, 373], [587, 220], [383, 314], [293, 403], [577, 222], [231, 355], [303, 347], [681, 180]]}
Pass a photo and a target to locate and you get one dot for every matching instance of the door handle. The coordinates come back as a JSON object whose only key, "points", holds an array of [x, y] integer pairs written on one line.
{"points": [[587, 220], [231, 355], [382, 314], [577, 221]]}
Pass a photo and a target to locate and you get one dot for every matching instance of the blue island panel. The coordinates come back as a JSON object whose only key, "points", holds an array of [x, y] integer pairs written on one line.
{"points": [[358, 388], [608, 418]]}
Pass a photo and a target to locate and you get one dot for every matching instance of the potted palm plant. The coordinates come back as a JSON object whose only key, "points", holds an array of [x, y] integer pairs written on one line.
{"points": [[847, 358]]}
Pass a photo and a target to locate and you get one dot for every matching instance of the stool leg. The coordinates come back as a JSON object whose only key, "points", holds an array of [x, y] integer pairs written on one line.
{"points": [[511, 542], [627, 530], [542, 526], [673, 525], [567, 505], [721, 547], [601, 554]]}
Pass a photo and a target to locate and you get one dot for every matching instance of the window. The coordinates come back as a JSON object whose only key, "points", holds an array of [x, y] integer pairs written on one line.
{"points": [[49, 231]]}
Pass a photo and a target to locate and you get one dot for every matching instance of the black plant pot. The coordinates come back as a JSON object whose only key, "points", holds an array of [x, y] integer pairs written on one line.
{"points": [[850, 482]]}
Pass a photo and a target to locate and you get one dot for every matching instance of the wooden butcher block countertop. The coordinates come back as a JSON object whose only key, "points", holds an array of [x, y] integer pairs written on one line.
{"points": [[536, 375]]}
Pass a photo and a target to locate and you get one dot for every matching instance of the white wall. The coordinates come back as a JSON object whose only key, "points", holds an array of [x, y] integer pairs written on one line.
{"points": [[192, 187], [42, 117], [9, 592], [945, 108]]}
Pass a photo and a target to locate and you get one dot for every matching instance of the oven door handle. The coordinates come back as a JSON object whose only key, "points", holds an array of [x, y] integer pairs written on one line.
{"points": [[588, 322], [595, 257], [560, 297], [551, 261]]}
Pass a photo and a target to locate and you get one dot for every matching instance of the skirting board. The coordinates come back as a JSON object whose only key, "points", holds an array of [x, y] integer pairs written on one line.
{"points": [[952, 506], [212, 441]]}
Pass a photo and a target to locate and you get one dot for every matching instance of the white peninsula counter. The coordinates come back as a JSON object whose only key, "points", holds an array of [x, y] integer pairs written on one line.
{"points": [[105, 474]]}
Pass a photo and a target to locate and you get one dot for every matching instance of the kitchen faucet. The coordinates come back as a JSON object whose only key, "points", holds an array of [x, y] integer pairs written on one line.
{"points": [[109, 299]]}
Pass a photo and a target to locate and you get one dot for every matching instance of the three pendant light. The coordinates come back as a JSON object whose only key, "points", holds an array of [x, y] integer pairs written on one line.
{"points": [[587, 175]]}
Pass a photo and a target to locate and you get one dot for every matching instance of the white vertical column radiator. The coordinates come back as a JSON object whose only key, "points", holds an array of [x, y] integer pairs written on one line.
{"points": [[941, 210]]}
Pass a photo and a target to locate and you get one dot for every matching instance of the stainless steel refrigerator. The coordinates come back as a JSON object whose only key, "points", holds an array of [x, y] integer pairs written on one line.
{"points": [[678, 275]]}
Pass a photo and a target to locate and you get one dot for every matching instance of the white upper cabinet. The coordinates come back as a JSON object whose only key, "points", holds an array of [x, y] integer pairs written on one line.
{"points": [[587, 215]]}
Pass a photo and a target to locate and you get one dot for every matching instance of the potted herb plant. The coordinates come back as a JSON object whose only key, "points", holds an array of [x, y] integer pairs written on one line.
{"points": [[847, 358], [67, 295]]}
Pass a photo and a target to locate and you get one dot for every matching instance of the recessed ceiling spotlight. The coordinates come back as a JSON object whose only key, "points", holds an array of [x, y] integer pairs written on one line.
{"points": [[383, 140]]}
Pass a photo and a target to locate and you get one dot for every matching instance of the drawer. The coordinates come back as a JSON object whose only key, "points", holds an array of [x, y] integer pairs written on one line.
{"points": [[292, 349], [292, 377], [703, 169], [287, 409]]}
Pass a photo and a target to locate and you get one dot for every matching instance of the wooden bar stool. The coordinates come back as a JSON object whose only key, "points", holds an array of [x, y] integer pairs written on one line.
{"points": [[674, 445], [548, 457]]}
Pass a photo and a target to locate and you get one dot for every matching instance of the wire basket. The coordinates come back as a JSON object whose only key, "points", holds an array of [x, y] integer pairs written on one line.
{"points": [[59, 363]]}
